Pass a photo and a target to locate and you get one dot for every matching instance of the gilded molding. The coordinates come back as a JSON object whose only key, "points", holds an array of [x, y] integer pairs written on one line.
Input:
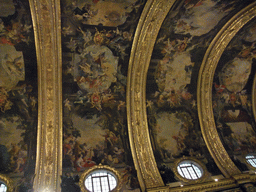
{"points": [[210, 185], [8, 182], [207, 186], [254, 97], [47, 30], [98, 167], [147, 30], [204, 89]]}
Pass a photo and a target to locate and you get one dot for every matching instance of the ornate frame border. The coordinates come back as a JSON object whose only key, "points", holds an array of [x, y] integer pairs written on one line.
{"points": [[254, 97], [147, 30], [100, 167], [8, 182], [204, 89], [47, 29], [205, 175]]}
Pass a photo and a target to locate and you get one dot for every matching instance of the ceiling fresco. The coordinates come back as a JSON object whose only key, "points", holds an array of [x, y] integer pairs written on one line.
{"points": [[100, 94], [233, 82], [18, 94], [172, 80], [97, 38]]}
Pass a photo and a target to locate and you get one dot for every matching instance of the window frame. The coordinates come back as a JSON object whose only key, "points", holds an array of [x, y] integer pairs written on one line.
{"points": [[187, 169], [97, 168], [100, 174], [193, 162], [8, 182]]}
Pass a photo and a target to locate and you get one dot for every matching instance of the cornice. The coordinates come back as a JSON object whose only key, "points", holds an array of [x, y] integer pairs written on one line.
{"points": [[210, 185]]}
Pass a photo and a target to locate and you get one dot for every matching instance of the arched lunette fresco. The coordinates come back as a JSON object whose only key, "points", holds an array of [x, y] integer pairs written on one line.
{"points": [[145, 36], [205, 83]]}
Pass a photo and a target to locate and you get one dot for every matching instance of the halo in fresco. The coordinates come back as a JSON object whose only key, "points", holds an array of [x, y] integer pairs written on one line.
{"points": [[171, 133], [173, 73], [201, 17], [96, 69], [99, 12], [172, 130], [11, 67], [234, 75]]}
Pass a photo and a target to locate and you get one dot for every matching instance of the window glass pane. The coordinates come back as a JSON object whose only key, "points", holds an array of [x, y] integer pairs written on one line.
{"points": [[189, 170], [96, 184], [186, 173], [197, 170], [112, 181], [252, 162], [104, 183], [3, 188], [180, 172], [88, 183], [100, 181], [251, 159]]}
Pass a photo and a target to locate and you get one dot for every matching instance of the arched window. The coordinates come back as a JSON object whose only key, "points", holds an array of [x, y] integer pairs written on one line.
{"points": [[190, 170], [3, 187], [251, 159], [100, 181]]}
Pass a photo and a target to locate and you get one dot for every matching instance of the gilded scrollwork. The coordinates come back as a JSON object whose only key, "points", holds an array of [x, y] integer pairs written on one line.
{"points": [[8, 182], [206, 186], [46, 21], [145, 36], [205, 83]]}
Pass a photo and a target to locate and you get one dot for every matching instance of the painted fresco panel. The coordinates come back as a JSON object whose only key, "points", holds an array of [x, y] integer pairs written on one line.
{"points": [[232, 95], [97, 38], [181, 44], [18, 94]]}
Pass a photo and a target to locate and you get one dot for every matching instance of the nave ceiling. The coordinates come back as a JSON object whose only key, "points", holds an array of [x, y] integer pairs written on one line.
{"points": [[132, 85]]}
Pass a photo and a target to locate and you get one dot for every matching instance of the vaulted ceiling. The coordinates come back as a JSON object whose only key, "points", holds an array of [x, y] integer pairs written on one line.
{"points": [[136, 86]]}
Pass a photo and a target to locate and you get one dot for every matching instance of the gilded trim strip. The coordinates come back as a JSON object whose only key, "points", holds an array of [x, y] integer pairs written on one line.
{"points": [[209, 185], [204, 89], [254, 97], [8, 182], [47, 30], [149, 25]]}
